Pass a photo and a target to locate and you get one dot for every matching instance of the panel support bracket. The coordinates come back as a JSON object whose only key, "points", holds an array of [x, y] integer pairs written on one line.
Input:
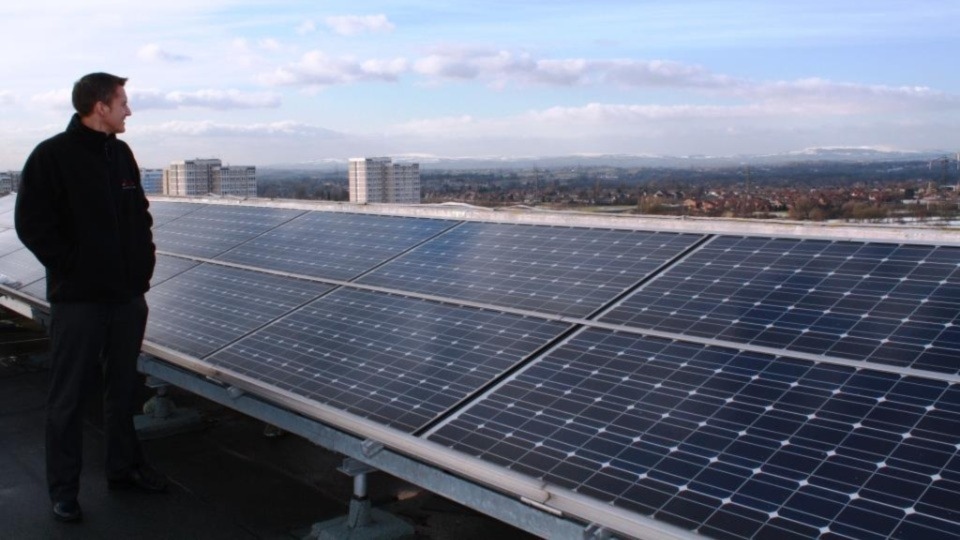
{"points": [[161, 417], [363, 521], [371, 448], [596, 532]]}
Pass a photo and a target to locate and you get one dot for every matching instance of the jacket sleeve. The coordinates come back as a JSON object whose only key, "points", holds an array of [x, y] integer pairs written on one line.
{"points": [[39, 215], [143, 196]]}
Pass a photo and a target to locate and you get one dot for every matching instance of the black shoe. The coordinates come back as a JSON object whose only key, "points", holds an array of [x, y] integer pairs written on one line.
{"points": [[142, 478], [67, 511]]}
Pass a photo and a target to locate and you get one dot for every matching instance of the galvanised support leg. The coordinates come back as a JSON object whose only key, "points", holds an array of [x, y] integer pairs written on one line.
{"points": [[363, 522]]}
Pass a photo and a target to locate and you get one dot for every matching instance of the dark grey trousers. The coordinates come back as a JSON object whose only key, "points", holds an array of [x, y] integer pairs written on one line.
{"points": [[89, 340]]}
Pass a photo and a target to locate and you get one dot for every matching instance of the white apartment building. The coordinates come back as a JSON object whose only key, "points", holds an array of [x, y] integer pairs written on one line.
{"points": [[379, 180], [189, 177], [9, 181], [240, 181], [209, 176]]}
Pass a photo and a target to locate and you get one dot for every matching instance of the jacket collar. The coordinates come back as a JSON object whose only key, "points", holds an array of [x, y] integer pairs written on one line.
{"points": [[89, 138]]}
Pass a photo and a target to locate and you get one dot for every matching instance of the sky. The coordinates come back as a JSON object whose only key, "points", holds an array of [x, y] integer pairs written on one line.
{"points": [[287, 82]]}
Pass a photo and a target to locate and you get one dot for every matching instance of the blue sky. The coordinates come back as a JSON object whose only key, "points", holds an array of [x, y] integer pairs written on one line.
{"points": [[276, 82]]}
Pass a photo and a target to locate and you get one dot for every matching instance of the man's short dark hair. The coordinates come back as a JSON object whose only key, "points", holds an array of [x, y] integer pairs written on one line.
{"points": [[93, 88]]}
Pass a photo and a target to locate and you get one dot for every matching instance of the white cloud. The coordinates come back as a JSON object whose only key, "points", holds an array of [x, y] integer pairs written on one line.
{"points": [[208, 128], [852, 98], [269, 44], [7, 98], [209, 99], [436, 126], [317, 69], [56, 99], [306, 27], [441, 66], [351, 25], [147, 99], [658, 73], [599, 113], [694, 84], [153, 53], [802, 96], [388, 70], [754, 127], [505, 67]]}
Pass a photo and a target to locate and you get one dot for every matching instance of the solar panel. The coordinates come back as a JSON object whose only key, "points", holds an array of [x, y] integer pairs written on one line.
{"points": [[164, 211], [209, 306], [21, 267], [9, 242], [396, 360], [886, 303], [168, 266], [213, 229], [334, 245], [725, 443], [558, 270], [36, 289], [6, 211]]}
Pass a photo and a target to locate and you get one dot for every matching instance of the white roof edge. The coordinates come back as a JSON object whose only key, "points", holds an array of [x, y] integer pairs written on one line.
{"points": [[750, 227]]}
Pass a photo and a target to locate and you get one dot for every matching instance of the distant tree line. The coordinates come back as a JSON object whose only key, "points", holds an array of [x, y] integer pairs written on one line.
{"points": [[310, 185], [856, 191]]}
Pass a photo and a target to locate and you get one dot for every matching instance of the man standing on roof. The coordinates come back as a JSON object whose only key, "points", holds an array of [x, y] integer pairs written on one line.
{"points": [[82, 211]]}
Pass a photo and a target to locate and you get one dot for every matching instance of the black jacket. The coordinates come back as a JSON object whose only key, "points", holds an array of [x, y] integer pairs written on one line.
{"points": [[82, 211]]}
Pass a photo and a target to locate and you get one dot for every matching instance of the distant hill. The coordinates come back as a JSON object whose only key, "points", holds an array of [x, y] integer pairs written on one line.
{"points": [[823, 154]]}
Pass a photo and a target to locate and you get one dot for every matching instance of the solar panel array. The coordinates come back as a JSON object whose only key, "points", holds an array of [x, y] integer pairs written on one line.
{"points": [[733, 386], [728, 443]]}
